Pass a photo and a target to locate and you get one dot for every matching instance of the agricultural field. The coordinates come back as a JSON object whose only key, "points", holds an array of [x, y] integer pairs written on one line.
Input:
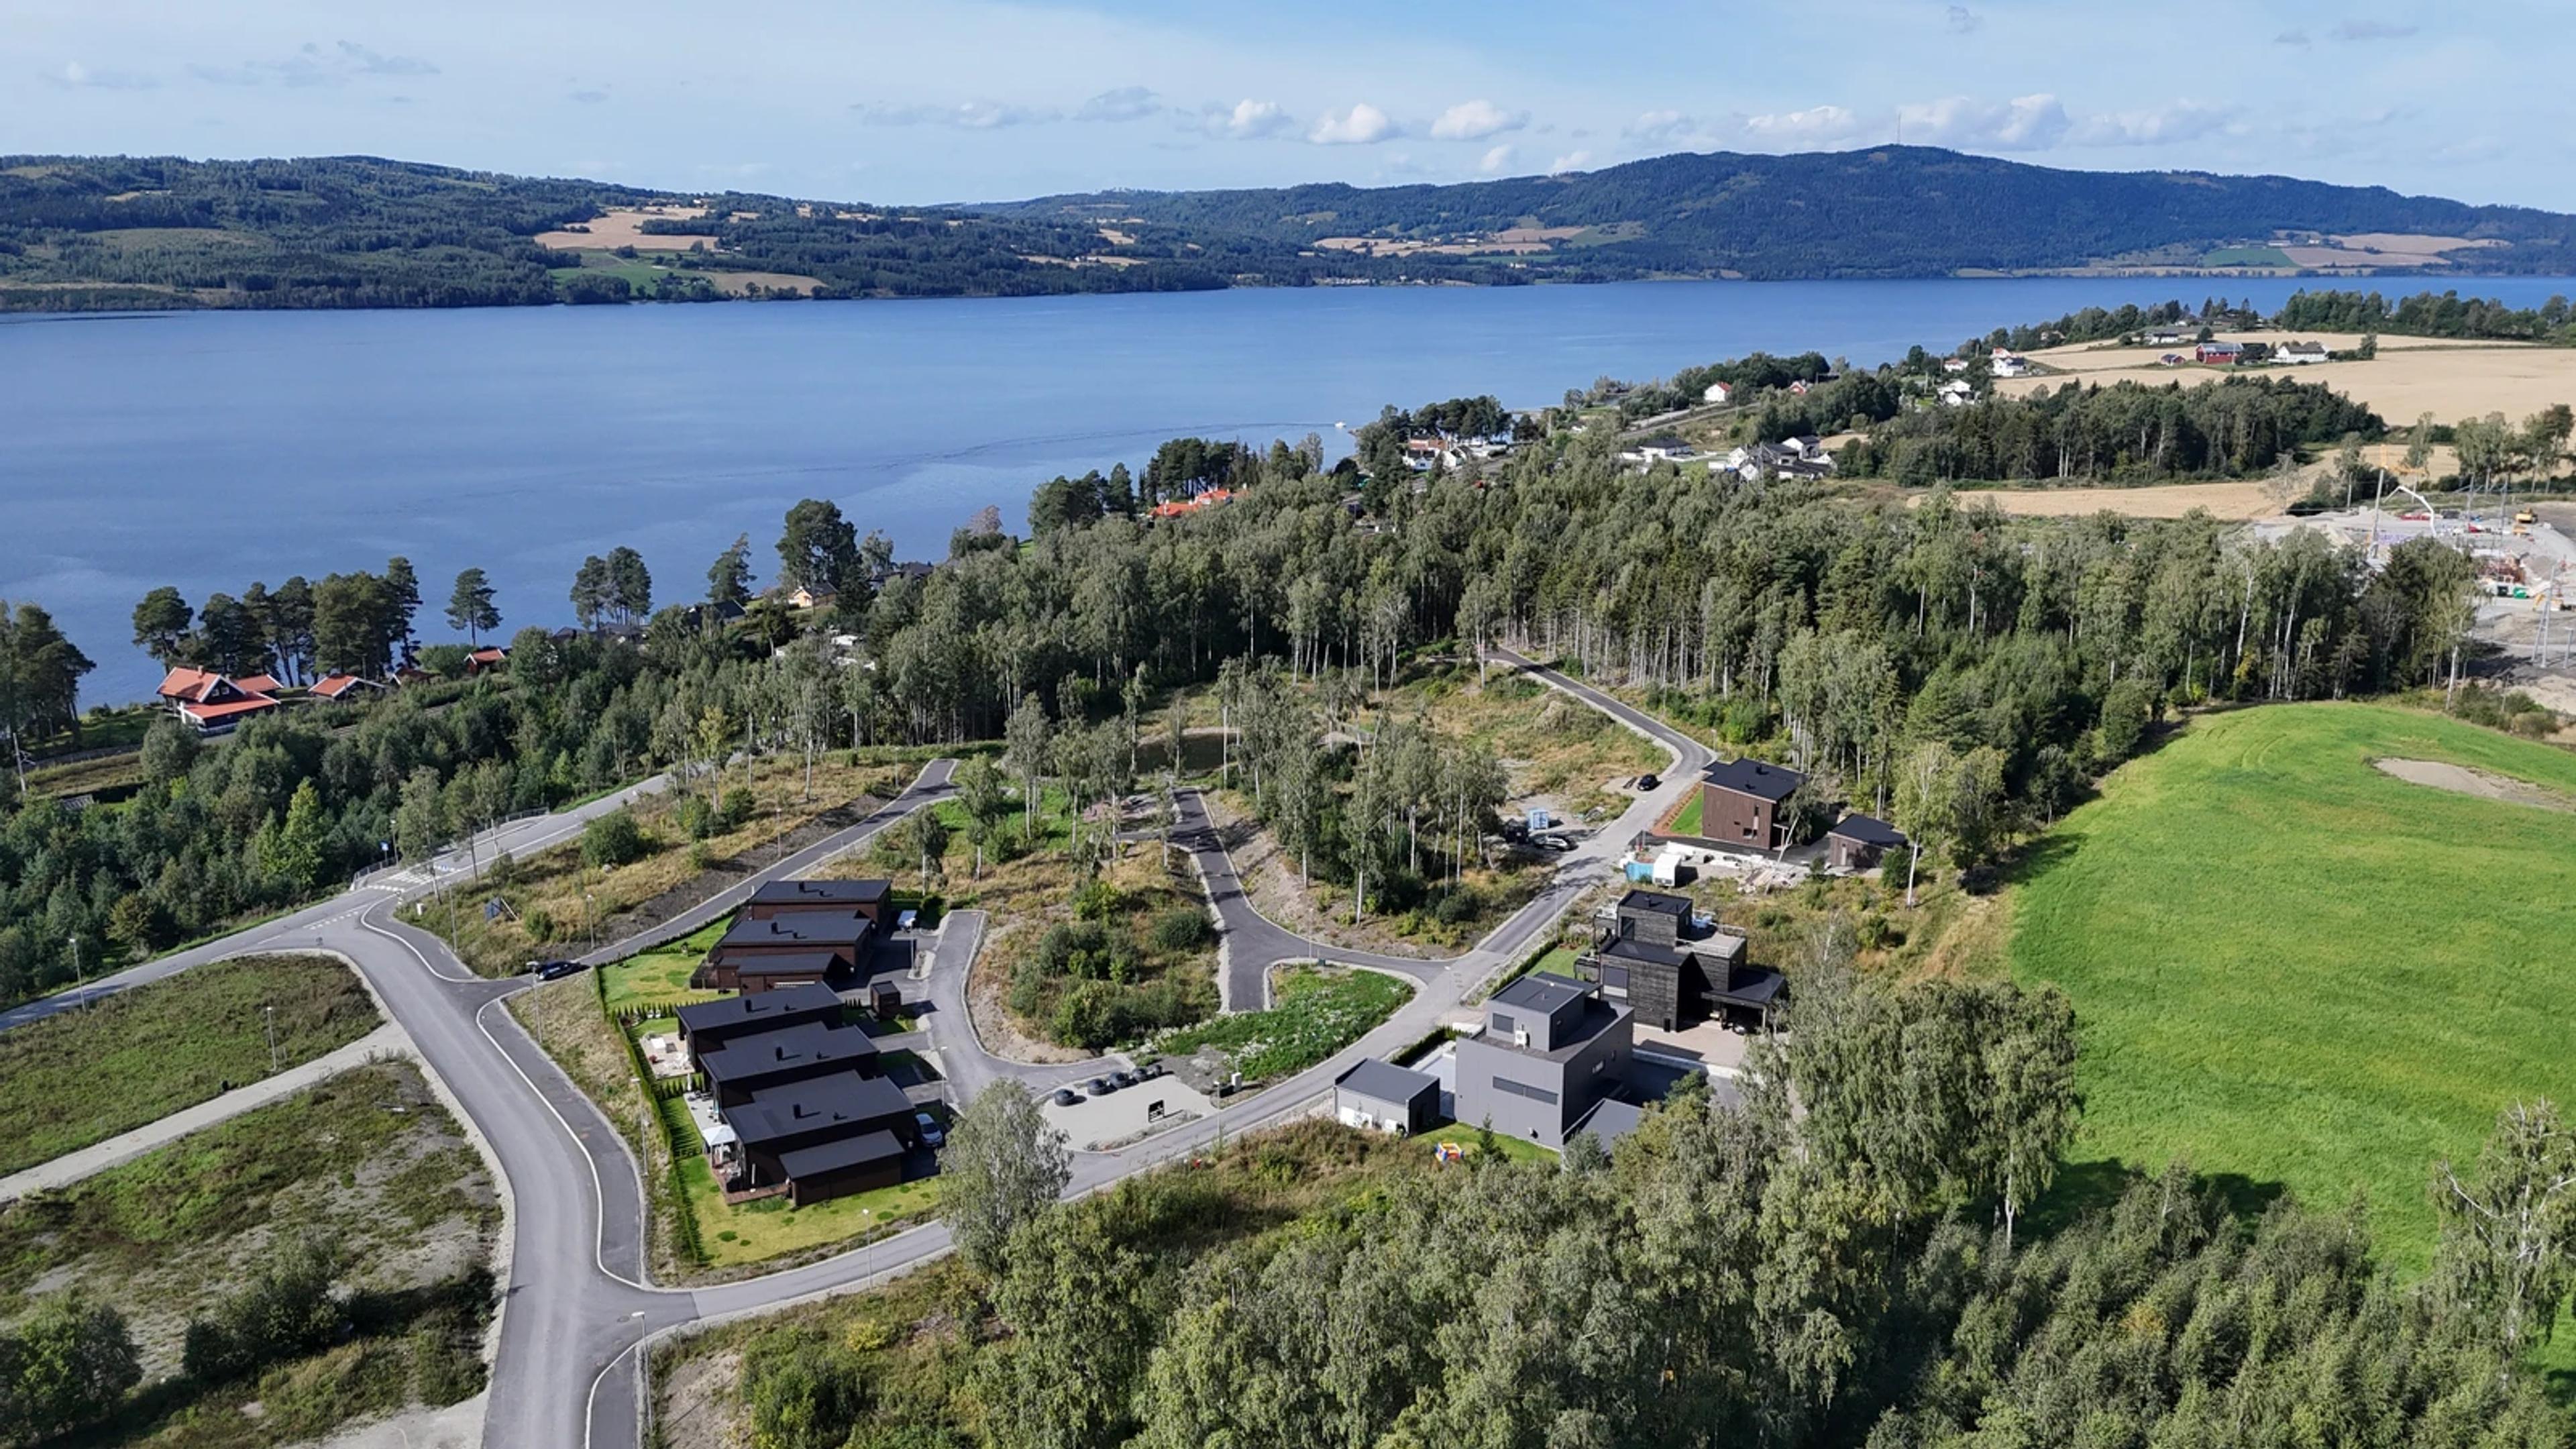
{"points": [[2297, 970], [84, 1076], [368, 1162]]}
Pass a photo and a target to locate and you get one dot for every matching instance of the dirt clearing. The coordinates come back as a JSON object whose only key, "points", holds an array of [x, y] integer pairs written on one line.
{"points": [[2460, 779], [2411, 376], [2235, 502]]}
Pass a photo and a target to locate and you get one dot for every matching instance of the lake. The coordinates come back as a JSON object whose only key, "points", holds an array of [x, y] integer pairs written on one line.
{"points": [[210, 449]]}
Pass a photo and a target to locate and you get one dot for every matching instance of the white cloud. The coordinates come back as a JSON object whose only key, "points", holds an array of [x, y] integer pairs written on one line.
{"points": [[965, 116], [1816, 128], [1127, 103], [370, 62], [1570, 161], [1245, 120], [2029, 123], [1361, 125], [2298, 38], [2370, 30], [1495, 160], [2156, 126], [311, 65], [1962, 20], [1475, 120], [75, 76]]}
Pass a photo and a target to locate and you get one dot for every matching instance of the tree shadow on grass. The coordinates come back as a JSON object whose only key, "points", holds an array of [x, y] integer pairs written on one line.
{"points": [[2084, 1189]]}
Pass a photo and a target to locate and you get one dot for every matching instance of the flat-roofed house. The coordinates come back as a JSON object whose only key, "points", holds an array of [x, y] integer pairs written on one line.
{"points": [[1741, 804], [823, 1137], [708, 1026], [795, 948], [1549, 1052], [797, 1053], [1674, 970], [1857, 842], [1377, 1096], [777, 898]]}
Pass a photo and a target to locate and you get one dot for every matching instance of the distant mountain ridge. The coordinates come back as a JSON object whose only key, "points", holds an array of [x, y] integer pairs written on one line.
{"points": [[1889, 211], [123, 232]]}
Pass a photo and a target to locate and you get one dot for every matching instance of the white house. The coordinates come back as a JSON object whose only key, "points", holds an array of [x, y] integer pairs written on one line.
{"points": [[1717, 392], [2300, 354], [1954, 365], [1663, 448], [2009, 364], [1957, 394]]}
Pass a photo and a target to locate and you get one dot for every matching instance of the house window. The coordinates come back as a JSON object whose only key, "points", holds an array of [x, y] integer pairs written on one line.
{"points": [[1518, 1089], [1502, 1024]]}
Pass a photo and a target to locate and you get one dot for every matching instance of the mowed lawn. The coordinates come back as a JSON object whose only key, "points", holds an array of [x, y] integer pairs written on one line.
{"points": [[2292, 967]]}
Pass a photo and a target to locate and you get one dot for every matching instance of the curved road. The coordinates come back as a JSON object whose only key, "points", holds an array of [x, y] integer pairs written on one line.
{"points": [[579, 1306]]}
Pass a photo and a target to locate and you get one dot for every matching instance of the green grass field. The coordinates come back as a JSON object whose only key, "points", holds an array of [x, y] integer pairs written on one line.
{"points": [[661, 978], [85, 1076], [2296, 970], [2246, 257], [1686, 822], [1315, 1013]]}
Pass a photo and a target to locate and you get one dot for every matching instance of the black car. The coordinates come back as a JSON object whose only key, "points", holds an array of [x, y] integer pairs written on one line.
{"points": [[1123, 1079], [1098, 1087], [558, 970], [1149, 1071], [1066, 1097], [1647, 782]]}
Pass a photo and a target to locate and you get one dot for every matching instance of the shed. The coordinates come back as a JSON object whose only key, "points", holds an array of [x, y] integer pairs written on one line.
{"points": [[1378, 1096], [1858, 841]]}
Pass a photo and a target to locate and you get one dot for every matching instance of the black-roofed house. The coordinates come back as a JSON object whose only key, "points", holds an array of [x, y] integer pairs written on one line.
{"points": [[707, 1026], [1858, 842], [823, 1137], [1549, 1051], [793, 948], [1674, 970], [1378, 1096], [796, 1053], [778, 898], [1742, 804]]}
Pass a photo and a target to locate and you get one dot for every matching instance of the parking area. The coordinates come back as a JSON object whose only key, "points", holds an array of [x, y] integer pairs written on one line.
{"points": [[1094, 1124]]}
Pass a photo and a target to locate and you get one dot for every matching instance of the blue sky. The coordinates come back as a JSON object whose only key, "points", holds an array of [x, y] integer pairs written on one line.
{"points": [[966, 100]]}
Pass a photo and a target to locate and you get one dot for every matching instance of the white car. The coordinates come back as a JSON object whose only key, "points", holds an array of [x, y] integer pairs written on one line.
{"points": [[931, 1132]]}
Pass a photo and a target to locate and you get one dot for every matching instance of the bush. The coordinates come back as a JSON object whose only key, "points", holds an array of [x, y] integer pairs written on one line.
{"points": [[1076, 948], [69, 1363], [695, 817], [169, 749], [613, 839], [1182, 928], [1097, 900], [2127, 710], [737, 812], [1459, 906], [287, 1312]]}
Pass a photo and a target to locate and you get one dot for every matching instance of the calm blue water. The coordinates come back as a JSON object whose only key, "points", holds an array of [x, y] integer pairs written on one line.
{"points": [[207, 450]]}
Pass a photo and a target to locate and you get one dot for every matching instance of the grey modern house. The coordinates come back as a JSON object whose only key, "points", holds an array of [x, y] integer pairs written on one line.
{"points": [[796, 1053], [1673, 969], [1550, 1051], [1377, 1097]]}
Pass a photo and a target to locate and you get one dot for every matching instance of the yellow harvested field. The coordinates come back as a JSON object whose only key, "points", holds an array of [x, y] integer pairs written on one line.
{"points": [[623, 227], [2451, 380], [2231, 501]]}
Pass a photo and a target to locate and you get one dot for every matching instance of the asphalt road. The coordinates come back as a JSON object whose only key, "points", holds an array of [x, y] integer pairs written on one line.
{"points": [[579, 1307]]}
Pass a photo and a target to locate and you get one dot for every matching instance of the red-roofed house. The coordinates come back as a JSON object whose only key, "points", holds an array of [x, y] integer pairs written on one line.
{"points": [[342, 686], [213, 702], [490, 656]]}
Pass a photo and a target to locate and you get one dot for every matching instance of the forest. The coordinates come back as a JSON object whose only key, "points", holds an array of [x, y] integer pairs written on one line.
{"points": [[84, 233], [1845, 1260], [2006, 661]]}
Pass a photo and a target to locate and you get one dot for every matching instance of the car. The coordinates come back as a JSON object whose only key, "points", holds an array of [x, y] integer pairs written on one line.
{"points": [[558, 970], [1066, 1097], [1123, 1079], [931, 1132], [1648, 782], [1551, 842], [1149, 1071], [1098, 1087]]}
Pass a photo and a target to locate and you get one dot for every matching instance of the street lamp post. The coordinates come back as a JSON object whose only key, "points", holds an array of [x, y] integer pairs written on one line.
{"points": [[77, 972], [270, 1012]]}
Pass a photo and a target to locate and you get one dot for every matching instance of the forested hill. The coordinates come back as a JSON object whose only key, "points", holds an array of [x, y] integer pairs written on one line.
{"points": [[1894, 211], [120, 232]]}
